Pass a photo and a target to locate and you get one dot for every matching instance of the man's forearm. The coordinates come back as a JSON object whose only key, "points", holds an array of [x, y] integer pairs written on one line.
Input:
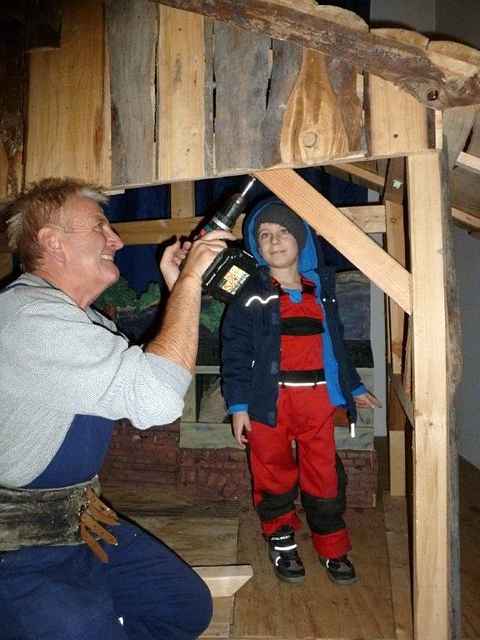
{"points": [[177, 339]]}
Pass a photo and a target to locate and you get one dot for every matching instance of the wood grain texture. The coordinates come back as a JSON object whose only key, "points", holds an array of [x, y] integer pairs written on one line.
{"points": [[181, 86], [242, 73], [69, 103], [267, 608], [286, 64], [319, 123], [132, 30], [438, 81], [436, 594], [396, 120], [396, 529], [182, 199], [12, 114], [369, 218], [375, 263]]}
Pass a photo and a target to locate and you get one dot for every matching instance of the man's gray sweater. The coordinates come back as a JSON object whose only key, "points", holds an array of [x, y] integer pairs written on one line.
{"points": [[58, 360]]}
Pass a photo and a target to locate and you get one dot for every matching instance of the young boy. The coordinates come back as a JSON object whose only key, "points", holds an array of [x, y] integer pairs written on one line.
{"points": [[284, 370]]}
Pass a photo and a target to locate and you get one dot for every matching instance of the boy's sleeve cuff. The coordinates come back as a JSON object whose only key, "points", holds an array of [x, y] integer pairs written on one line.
{"points": [[359, 390], [236, 408]]}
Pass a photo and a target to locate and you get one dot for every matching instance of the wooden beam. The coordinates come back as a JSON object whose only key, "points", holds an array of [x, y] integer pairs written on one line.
{"points": [[468, 161], [182, 200], [435, 79], [402, 396], [69, 110], [132, 33], [397, 121], [181, 85], [370, 218], [473, 222], [224, 581], [395, 244], [327, 220], [436, 566], [457, 125], [357, 173], [396, 530], [371, 180], [12, 111]]}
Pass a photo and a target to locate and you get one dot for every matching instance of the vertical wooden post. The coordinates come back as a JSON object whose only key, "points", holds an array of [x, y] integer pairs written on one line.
{"points": [[436, 567], [395, 240], [182, 199], [182, 205]]}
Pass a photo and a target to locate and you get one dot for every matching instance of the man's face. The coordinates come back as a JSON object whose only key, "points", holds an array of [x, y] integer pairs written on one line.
{"points": [[89, 245], [277, 245]]}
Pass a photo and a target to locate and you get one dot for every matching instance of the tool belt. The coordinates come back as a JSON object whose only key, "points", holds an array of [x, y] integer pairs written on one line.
{"points": [[308, 378], [53, 517]]}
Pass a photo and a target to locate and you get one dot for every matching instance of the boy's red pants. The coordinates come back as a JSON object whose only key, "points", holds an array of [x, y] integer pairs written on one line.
{"points": [[305, 415]]}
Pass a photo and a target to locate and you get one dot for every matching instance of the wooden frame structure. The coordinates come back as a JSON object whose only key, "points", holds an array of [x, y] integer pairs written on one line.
{"points": [[142, 93]]}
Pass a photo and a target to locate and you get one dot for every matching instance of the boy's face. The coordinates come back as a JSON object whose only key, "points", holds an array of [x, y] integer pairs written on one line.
{"points": [[277, 245]]}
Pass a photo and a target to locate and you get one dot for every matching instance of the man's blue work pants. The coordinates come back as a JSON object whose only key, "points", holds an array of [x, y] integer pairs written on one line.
{"points": [[66, 593]]}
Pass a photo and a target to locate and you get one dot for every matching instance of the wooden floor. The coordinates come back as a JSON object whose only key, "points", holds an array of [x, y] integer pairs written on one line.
{"points": [[377, 607]]}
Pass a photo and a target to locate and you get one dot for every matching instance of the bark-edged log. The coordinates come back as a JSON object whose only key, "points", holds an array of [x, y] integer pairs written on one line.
{"points": [[436, 80]]}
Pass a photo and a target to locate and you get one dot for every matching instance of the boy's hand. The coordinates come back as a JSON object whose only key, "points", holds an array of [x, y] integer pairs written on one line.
{"points": [[241, 425], [366, 401]]}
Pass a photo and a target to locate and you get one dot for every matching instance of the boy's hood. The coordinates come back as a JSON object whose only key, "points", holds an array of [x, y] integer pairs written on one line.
{"points": [[309, 258]]}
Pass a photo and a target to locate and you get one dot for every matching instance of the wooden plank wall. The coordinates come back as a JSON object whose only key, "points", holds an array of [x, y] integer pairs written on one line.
{"points": [[191, 98], [69, 101]]}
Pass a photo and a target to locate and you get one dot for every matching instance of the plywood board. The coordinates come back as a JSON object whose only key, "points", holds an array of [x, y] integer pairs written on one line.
{"points": [[69, 103]]}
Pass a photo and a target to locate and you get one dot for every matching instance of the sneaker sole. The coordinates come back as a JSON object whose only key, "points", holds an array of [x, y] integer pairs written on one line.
{"points": [[291, 579], [340, 582]]}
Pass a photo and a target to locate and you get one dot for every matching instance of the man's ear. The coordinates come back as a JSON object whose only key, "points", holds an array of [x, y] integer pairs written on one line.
{"points": [[51, 243]]}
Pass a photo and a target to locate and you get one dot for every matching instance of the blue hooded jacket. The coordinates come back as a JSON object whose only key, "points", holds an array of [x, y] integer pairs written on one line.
{"points": [[251, 335]]}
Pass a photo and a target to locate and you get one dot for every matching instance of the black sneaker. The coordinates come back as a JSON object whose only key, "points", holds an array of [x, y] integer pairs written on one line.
{"points": [[282, 550], [339, 570]]}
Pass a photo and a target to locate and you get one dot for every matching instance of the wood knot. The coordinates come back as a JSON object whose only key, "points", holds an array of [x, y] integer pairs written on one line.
{"points": [[309, 139]]}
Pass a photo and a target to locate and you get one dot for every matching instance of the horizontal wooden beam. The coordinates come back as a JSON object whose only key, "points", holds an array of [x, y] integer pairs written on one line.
{"points": [[370, 218], [436, 80], [358, 174], [468, 161], [467, 219], [327, 220], [371, 180], [225, 581]]}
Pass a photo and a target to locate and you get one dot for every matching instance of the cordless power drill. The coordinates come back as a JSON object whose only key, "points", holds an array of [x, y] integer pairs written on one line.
{"points": [[231, 269]]}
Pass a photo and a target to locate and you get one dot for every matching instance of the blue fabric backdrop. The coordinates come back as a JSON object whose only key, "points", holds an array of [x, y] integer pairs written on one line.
{"points": [[139, 264]]}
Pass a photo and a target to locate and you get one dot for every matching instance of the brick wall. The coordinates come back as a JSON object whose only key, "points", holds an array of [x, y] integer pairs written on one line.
{"points": [[153, 457]]}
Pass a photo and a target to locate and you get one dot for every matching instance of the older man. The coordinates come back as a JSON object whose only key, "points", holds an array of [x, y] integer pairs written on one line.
{"points": [[66, 375]]}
